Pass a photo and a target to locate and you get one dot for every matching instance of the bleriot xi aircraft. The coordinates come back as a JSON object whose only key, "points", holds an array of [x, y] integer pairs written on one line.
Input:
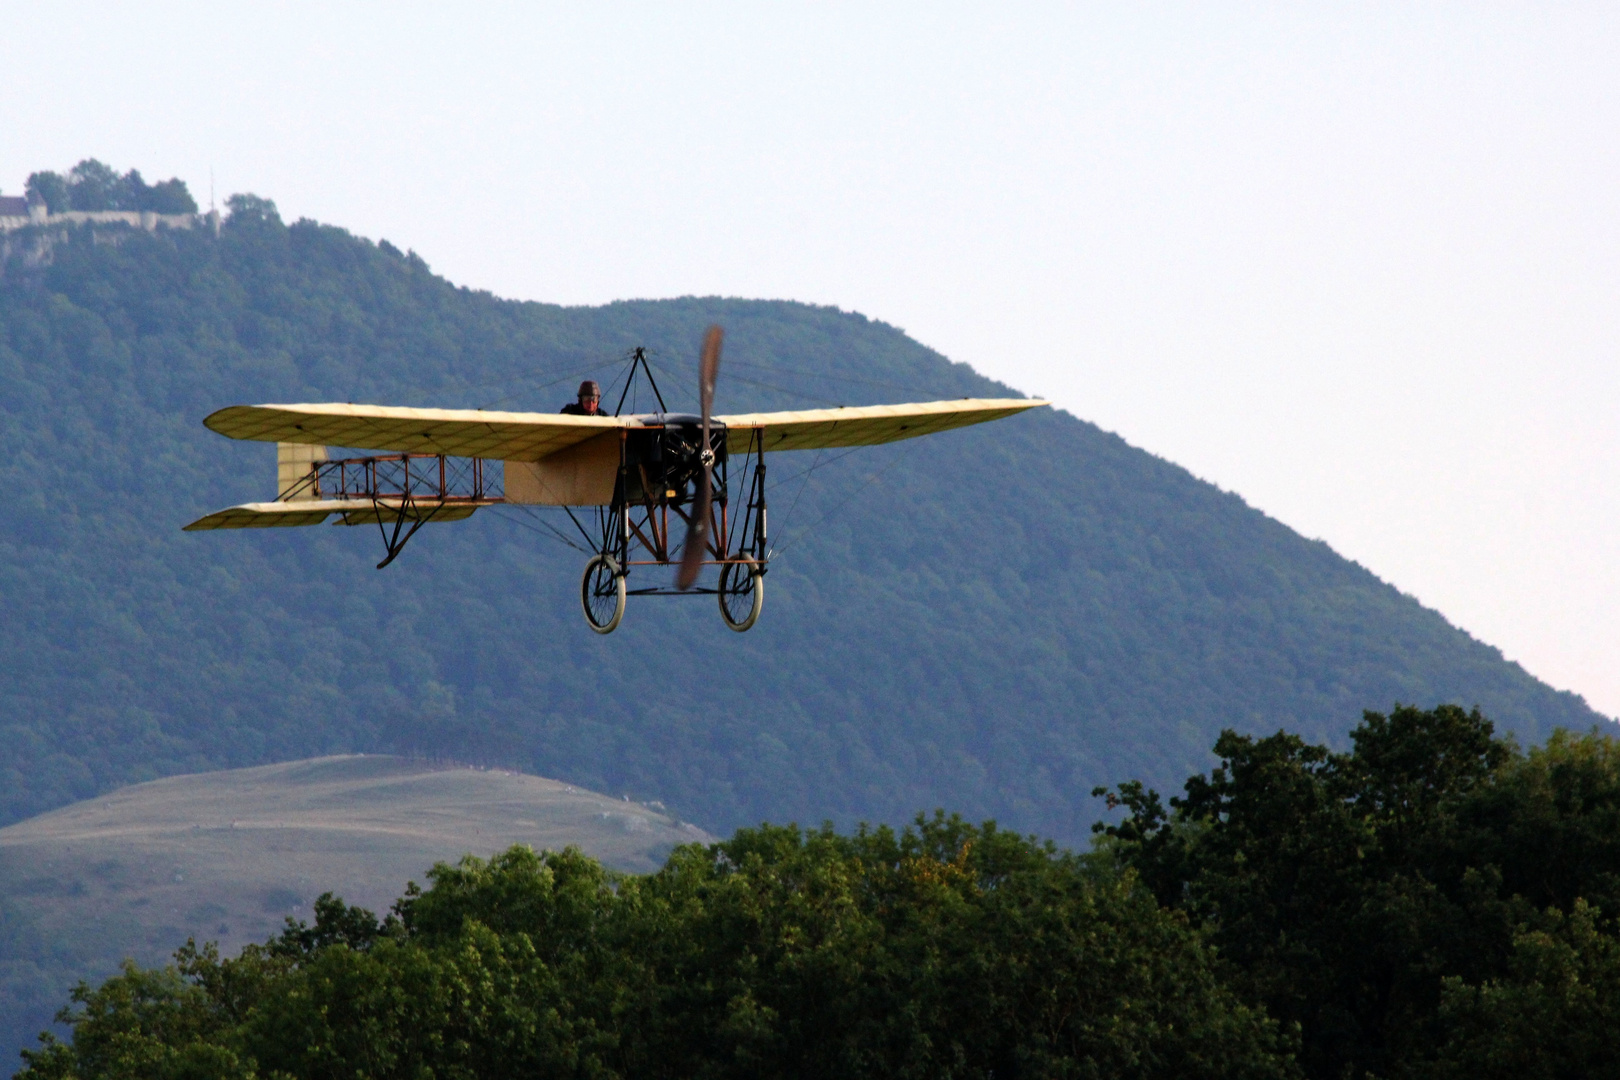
{"points": [[633, 470]]}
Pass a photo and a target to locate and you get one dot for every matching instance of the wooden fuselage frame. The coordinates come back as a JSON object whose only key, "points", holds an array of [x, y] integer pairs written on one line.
{"points": [[649, 480], [433, 466], [638, 484]]}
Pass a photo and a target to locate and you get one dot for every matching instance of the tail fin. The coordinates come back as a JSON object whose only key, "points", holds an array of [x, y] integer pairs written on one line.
{"points": [[295, 470]]}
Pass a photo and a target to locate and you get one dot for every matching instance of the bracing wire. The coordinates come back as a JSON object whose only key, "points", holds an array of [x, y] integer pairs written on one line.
{"points": [[528, 388], [771, 369], [671, 383], [777, 553], [820, 461], [790, 477], [784, 390], [775, 368], [815, 462], [549, 531], [607, 391]]}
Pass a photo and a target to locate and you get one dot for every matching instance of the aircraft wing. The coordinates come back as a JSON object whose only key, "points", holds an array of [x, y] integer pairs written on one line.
{"points": [[865, 425], [514, 436], [511, 436], [295, 512]]}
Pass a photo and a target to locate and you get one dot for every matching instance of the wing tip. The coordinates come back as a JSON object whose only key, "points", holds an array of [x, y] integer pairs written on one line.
{"points": [[257, 516], [213, 420]]}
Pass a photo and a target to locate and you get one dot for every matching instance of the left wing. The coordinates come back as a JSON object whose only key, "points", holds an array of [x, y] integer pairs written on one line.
{"points": [[457, 432], [865, 425]]}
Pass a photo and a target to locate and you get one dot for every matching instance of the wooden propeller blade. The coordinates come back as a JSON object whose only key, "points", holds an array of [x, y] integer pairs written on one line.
{"points": [[697, 535], [697, 530], [708, 372]]}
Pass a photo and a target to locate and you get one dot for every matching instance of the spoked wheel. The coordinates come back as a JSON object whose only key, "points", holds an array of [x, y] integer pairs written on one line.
{"points": [[742, 593], [601, 593]]}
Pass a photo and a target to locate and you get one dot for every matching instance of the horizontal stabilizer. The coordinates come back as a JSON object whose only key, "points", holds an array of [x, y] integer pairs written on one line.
{"points": [[279, 515], [385, 514]]}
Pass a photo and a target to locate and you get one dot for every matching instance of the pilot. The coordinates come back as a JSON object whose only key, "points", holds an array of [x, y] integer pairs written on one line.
{"points": [[589, 403]]}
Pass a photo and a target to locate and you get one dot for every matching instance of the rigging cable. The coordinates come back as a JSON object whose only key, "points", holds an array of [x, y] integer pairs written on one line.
{"points": [[567, 377], [776, 553], [549, 530], [785, 390], [910, 389], [787, 517], [817, 462]]}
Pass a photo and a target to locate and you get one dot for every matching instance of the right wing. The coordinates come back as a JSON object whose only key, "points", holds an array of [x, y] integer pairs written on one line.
{"points": [[864, 425]]}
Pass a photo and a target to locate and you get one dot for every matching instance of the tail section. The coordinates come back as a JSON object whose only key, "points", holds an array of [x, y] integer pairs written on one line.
{"points": [[295, 470]]}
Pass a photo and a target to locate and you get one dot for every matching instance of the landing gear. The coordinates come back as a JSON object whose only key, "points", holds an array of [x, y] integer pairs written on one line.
{"points": [[742, 593], [676, 470], [601, 593]]}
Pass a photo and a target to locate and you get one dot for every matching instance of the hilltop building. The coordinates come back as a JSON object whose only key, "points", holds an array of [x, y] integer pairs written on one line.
{"points": [[17, 212]]}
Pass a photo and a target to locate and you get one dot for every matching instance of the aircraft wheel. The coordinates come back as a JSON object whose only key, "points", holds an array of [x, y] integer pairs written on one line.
{"points": [[601, 593], [742, 593]]}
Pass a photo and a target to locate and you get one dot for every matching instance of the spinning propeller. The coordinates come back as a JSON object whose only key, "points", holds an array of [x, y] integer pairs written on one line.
{"points": [[697, 528]]}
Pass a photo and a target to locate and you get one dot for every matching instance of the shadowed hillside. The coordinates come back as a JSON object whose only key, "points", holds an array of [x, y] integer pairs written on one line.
{"points": [[227, 856], [994, 619]]}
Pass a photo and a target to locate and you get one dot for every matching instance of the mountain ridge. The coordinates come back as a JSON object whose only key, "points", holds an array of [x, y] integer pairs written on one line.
{"points": [[994, 620]]}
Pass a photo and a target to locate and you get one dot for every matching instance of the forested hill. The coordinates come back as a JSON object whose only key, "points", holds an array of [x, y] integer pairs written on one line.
{"points": [[1001, 619]]}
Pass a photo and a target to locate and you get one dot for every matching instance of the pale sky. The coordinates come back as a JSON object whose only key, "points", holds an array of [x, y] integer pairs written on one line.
{"points": [[1358, 263]]}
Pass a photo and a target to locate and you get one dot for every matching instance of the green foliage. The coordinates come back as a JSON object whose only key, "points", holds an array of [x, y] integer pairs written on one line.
{"points": [[51, 189], [247, 210], [1318, 913], [996, 619], [1552, 1014], [92, 185], [1011, 615], [945, 950], [1402, 896]]}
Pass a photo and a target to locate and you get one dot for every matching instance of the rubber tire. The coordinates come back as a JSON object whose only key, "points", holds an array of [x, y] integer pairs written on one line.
{"points": [[758, 580], [585, 593]]}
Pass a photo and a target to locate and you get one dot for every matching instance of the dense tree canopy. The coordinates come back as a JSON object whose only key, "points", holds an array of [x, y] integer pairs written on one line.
{"points": [[92, 185], [995, 619], [945, 950], [1431, 902]]}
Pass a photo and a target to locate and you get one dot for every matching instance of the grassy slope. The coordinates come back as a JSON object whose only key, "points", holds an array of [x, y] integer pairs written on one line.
{"points": [[1007, 616], [226, 856]]}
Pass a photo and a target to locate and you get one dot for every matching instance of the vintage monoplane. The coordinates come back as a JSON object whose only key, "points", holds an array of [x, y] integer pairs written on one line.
{"points": [[635, 471]]}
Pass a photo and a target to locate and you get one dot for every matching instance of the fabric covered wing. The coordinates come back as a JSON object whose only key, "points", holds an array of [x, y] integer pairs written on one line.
{"points": [[292, 513], [385, 514], [865, 425], [458, 432], [270, 515]]}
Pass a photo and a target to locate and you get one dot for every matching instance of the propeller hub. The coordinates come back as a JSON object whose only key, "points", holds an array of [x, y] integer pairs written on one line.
{"points": [[706, 456]]}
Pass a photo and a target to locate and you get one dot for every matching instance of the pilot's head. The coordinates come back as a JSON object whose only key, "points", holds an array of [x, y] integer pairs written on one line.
{"points": [[590, 395]]}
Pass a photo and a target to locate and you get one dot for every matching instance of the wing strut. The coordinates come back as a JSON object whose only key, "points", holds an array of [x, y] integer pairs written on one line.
{"points": [[408, 508]]}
